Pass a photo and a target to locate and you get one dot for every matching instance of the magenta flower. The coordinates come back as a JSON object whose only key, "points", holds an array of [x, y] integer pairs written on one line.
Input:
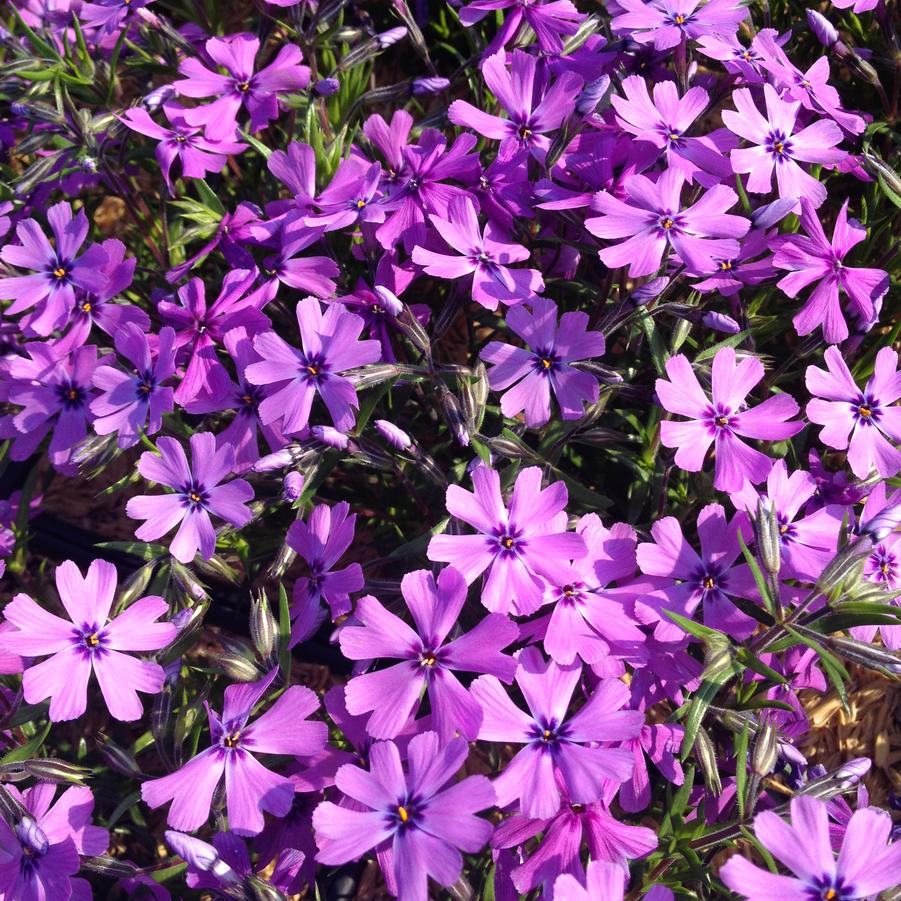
{"points": [[200, 326], [813, 258], [708, 579], [129, 398], [591, 618], [863, 421], [724, 420], [89, 641], [181, 141], [660, 742], [55, 394], [653, 221], [416, 825], [519, 545], [60, 272], [352, 197], [778, 146], [528, 121], [670, 22], [535, 373], [808, 540], [331, 345], [321, 542], [867, 862], [429, 660], [550, 21], [256, 91], [484, 255], [41, 851], [250, 788], [664, 122], [197, 493], [561, 752]]}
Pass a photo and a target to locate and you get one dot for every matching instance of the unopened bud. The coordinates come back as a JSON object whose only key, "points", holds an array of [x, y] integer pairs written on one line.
{"points": [[263, 627], [720, 322], [773, 213], [120, 760], [880, 526], [453, 415], [201, 856], [285, 557], [281, 459], [592, 95], [325, 87], [330, 437], [49, 769], [389, 301], [706, 757], [394, 435], [647, 292], [769, 539], [851, 772], [823, 29], [434, 85], [766, 750], [868, 655], [292, 486], [391, 36]]}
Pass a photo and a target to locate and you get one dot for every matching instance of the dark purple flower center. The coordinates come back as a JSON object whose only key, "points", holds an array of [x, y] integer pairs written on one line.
{"points": [[71, 396], [710, 577], [546, 361], [243, 87], [509, 540], [829, 888], [312, 368], [146, 384], [403, 816], [679, 19], [195, 496], [669, 224], [883, 565], [90, 639], [779, 145], [866, 410], [720, 418], [787, 530], [60, 272], [429, 658], [548, 733]]}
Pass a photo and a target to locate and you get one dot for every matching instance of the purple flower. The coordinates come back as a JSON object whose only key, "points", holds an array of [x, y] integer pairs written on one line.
{"points": [[199, 326], [808, 542], [331, 345], [250, 788], [529, 121], [181, 141], [607, 839], [416, 826], [256, 91], [664, 122], [778, 146], [352, 197], [54, 392], [561, 752], [484, 255], [130, 397], [710, 579], [51, 290], [40, 851], [654, 221], [321, 542], [742, 271], [429, 660], [550, 21], [312, 275], [590, 618], [813, 258], [671, 22], [723, 420], [197, 494], [660, 742], [89, 641], [533, 374], [519, 545], [866, 863], [862, 421], [244, 398]]}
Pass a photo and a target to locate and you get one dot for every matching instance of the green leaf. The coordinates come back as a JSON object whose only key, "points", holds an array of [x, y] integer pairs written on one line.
{"points": [[30, 748], [741, 766], [209, 197], [759, 580], [731, 341], [752, 661], [693, 628], [140, 549], [833, 667], [284, 634]]}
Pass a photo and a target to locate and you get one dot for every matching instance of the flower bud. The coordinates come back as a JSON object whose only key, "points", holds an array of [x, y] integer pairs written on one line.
{"points": [[330, 437], [823, 29], [766, 750], [120, 760], [868, 655], [880, 526], [285, 557], [389, 301], [768, 537], [434, 85], [49, 769], [292, 486], [394, 435], [157, 97], [281, 459], [773, 213], [391, 36], [852, 771], [720, 322], [647, 292], [325, 87], [878, 168], [591, 95], [263, 627], [453, 415], [201, 856], [706, 756], [237, 667]]}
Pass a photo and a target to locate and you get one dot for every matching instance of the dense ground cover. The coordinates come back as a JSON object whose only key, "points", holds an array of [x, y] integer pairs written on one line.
{"points": [[450, 450]]}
